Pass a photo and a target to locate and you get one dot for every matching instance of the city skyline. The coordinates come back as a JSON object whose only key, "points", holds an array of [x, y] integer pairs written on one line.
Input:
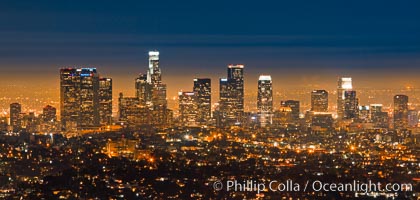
{"points": [[297, 44], [251, 89], [143, 99]]}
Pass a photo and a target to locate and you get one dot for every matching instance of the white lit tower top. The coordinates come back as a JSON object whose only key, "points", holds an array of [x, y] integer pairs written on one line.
{"points": [[345, 83], [154, 73]]}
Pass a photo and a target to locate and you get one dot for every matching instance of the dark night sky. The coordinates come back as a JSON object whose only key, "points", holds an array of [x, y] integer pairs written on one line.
{"points": [[298, 42]]}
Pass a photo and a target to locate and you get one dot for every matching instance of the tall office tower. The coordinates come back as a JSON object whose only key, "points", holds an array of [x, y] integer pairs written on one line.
{"points": [[188, 108], [105, 101], [224, 110], [154, 77], [158, 103], [153, 73], [319, 101], [344, 84], [236, 86], [265, 100], [49, 114], [400, 112], [294, 106], [232, 96], [49, 119], [350, 105], [132, 113], [15, 117], [202, 87], [413, 118], [79, 102], [143, 90]]}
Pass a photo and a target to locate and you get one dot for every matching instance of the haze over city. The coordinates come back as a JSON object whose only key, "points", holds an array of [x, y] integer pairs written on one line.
{"points": [[299, 43]]}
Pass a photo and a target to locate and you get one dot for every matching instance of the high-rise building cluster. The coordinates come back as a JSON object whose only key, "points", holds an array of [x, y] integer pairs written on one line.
{"points": [[195, 106], [149, 106], [85, 99], [28, 122], [86, 102]]}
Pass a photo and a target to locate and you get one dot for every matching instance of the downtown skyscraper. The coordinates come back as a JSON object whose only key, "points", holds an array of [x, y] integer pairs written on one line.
{"points": [[202, 89], [149, 106], [350, 105], [143, 90], [79, 98], [344, 84], [400, 111], [105, 101], [154, 78], [231, 104], [188, 108], [265, 100], [15, 119], [319, 101]]}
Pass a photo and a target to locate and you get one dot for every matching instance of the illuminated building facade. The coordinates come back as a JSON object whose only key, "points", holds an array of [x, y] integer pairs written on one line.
{"points": [[49, 114], [413, 118], [159, 108], [378, 117], [79, 102], [232, 95], [143, 90], [364, 113], [15, 116], [223, 110], [319, 101], [400, 112], [282, 117], [344, 84], [49, 119], [295, 109], [105, 101], [202, 88], [188, 109], [350, 105], [149, 106], [265, 100], [154, 77], [131, 113]]}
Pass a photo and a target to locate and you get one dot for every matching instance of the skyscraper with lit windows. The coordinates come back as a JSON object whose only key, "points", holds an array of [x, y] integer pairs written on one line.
{"points": [[319, 101], [265, 100], [79, 98], [105, 101], [232, 95], [295, 108], [143, 90], [202, 88], [351, 107], [154, 77], [49, 114], [400, 111], [236, 86], [344, 84], [15, 116], [188, 108]]}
